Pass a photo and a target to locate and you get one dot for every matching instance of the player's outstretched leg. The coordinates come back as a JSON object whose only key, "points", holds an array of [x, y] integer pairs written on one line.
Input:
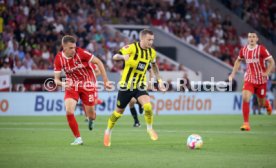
{"points": [[91, 115], [111, 122], [90, 124], [268, 107], [149, 120], [75, 129]]}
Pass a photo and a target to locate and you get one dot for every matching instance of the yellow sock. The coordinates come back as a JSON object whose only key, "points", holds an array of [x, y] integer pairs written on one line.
{"points": [[112, 119], [148, 114]]}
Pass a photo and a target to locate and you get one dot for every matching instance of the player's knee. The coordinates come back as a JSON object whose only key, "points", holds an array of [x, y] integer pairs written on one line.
{"points": [[133, 100], [147, 107], [91, 113], [131, 105], [246, 98], [69, 111]]}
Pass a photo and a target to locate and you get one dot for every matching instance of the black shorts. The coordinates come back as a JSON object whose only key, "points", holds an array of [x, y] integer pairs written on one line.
{"points": [[124, 97]]}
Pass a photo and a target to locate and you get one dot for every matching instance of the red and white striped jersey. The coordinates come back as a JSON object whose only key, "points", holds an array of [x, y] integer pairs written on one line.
{"points": [[255, 63], [78, 69]]}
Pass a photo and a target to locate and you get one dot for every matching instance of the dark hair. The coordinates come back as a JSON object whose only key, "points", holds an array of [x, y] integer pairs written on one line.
{"points": [[145, 32], [68, 38]]}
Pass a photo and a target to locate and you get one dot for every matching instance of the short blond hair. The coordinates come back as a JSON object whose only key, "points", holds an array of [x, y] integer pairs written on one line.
{"points": [[67, 39], [145, 32]]}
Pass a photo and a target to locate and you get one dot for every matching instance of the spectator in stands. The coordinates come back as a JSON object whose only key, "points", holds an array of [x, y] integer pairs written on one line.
{"points": [[28, 61], [258, 14], [45, 53], [243, 39], [25, 27], [181, 68], [91, 46], [19, 67], [226, 57], [6, 67], [21, 53]]}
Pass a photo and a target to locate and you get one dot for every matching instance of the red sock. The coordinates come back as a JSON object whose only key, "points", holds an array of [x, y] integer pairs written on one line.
{"points": [[245, 111], [267, 103], [73, 125], [99, 101]]}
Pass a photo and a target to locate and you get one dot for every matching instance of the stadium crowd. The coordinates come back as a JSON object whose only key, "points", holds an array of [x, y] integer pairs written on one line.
{"points": [[259, 14], [32, 28], [31, 32]]}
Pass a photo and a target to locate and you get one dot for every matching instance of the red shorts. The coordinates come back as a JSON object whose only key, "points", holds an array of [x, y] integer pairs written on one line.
{"points": [[87, 95], [258, 89]]}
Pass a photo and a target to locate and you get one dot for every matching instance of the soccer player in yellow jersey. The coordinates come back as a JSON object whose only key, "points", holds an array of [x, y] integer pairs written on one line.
{"points": [[137, 56]]}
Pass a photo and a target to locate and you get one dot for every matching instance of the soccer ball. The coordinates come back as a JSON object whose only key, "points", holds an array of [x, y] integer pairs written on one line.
{"points": [[194, 141]]}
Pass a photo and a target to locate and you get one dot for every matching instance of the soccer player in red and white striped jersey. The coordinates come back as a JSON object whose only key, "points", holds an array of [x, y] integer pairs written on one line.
{"points": [[255, 78], [80, 81]]}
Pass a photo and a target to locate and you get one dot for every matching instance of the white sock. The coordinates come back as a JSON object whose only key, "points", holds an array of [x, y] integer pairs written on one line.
{"points": [[108, 131], [149, 126]]}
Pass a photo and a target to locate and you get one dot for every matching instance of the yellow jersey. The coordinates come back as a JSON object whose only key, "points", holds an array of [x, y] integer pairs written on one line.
{"points": [[134, 72]]}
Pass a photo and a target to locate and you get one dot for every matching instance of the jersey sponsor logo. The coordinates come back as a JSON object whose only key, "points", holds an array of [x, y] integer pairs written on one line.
{"points": [[248, 61], [141, 66], [79, 66]]}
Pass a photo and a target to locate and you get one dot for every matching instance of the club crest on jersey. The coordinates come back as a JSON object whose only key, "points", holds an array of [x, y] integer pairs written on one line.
{"points": [[141, 66]]}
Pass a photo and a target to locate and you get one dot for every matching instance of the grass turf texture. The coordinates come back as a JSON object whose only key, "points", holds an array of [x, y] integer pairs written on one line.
{"points": [[33, 142]]}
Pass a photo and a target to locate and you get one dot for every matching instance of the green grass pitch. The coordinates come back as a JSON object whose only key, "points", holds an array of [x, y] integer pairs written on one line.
{"points": [[38, 142]]}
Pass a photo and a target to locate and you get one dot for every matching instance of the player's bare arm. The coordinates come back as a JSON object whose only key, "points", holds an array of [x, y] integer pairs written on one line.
{"points": [[270, 67], [57, 78], [97, 71], [99, 63], [156, 72], [118, 57], [235, 69], [59, 82], [151, 73], [150, 82]]}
